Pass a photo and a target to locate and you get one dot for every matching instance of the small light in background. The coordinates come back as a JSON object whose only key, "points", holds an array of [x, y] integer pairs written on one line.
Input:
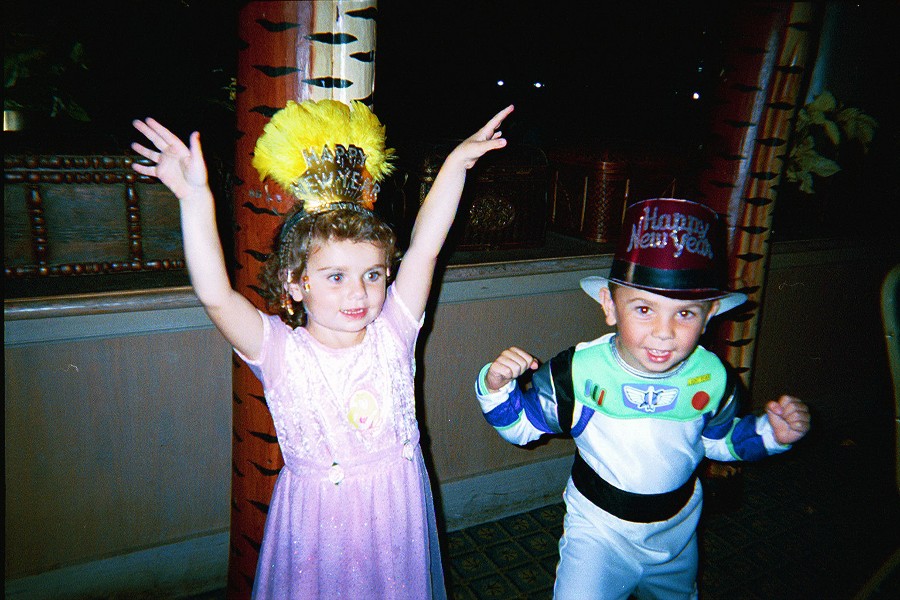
{"points": [[538, 84], [695, 95], [500, 83]]}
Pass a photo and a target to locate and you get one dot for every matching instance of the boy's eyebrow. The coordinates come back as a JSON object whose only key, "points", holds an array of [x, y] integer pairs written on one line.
{"points": [[652, 301], [640, 298]]}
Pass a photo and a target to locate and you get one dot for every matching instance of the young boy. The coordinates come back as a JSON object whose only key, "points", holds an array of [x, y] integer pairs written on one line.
{"points": [[644, 405]]}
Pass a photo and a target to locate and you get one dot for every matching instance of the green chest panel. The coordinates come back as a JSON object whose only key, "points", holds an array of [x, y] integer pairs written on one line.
{"points": [[600, 383]]}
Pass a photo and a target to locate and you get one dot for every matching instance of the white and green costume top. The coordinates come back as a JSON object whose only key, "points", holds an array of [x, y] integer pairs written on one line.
{"points": [[642, 433]]}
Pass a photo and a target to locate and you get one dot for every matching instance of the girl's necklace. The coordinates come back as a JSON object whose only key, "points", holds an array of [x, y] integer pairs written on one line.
{"points": [[333, 401], [339, 403]]}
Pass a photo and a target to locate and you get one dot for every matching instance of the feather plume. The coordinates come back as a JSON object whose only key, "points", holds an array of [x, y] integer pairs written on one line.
{"points": [[292, 151]]}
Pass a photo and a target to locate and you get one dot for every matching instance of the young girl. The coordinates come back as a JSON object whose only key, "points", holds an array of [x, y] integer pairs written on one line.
{"points": [[352, 514]]}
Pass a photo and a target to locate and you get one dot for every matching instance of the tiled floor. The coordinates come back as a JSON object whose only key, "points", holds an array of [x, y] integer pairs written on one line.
{"points": [[816, 523], [514, 557]]}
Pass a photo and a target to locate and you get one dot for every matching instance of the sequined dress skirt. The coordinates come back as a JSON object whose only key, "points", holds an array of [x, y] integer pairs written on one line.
{"points": [[370, 535]]}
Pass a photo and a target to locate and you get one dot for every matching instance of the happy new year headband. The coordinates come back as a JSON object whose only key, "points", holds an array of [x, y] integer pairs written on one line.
{"points": [[327, 154]]}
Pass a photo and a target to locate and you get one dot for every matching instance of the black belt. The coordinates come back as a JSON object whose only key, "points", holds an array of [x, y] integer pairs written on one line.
{"points": [[637, 508]]}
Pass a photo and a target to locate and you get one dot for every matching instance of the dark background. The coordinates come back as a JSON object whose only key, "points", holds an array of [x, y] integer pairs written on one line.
{"points": [[169, 59], [609, 71]]}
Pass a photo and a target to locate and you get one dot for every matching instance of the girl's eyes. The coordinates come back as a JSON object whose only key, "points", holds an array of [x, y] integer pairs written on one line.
{"points": [[687, 314], [370, 276]]}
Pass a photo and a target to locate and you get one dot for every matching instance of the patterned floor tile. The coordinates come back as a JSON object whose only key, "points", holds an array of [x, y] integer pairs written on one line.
{"points": [[507, 555], [472, 565], [541, 544], [814, 524], [531, 578], [519, 525], [494, 587], [458, 542]]}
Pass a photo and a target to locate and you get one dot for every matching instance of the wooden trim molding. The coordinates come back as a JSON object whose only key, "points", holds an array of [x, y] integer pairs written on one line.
{"points": [[99, 303]]}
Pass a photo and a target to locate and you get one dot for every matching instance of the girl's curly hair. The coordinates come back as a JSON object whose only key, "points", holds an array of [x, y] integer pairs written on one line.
{"points": [[297, 237]]}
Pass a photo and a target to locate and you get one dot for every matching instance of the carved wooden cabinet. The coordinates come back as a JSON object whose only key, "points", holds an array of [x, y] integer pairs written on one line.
{"points": [[504, 201], [590, 187], [67, 216]]}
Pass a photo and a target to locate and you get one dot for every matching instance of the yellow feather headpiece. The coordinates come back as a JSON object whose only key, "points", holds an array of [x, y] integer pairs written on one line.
{"points": [[324, 153]]}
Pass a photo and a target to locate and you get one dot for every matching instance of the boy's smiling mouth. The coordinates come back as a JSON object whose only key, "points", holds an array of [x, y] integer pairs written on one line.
{"points": [[658, 356]]}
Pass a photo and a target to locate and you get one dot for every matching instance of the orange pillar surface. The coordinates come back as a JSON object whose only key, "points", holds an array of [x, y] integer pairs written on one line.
{"points": [[289, 51], [770, 54]]}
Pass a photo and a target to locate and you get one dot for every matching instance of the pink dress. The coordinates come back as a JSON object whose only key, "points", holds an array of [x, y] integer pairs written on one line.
{"points": [[352, 514]]}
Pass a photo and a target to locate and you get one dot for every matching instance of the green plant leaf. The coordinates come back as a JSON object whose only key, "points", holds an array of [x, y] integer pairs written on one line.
{"points": [[858, 126], [821, 166], [823, 103], [56, 106], [35, 79], [77, 54], [11, 74], [801, 149], [832, 131], [816, 117], [77, 112], [802, 122], [16, 66], [839, 123], [804, 162], [806, 183]]}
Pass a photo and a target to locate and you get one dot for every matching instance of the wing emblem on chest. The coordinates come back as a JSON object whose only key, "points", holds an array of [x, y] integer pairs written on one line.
{"points": [[650, 398]]}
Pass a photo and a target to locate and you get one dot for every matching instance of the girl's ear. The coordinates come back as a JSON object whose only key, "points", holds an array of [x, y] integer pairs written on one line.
{"points": [[609, 307], [295, 291], [292, 287]]}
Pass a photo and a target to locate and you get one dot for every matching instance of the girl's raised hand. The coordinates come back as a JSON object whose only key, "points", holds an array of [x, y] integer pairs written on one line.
{"points": [[482, 141], [180, 168]]}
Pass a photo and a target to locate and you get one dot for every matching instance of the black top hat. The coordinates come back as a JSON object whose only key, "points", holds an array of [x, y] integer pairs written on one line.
{"points": [[671, 247]]}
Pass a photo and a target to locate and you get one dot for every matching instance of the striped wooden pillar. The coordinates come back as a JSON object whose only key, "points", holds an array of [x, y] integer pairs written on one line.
{"points": [[771, 53], [290, 51]]}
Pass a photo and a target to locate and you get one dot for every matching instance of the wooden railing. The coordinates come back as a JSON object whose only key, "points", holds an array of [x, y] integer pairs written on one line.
{"points": [[68, 216]]}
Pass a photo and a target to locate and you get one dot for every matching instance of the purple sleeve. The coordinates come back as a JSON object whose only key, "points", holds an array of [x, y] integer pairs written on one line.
{"points": [[272, 349], [397, 316]]}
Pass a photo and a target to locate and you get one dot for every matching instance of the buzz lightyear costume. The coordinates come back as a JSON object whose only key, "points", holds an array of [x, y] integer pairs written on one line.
{"points": [[633, 500]]}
